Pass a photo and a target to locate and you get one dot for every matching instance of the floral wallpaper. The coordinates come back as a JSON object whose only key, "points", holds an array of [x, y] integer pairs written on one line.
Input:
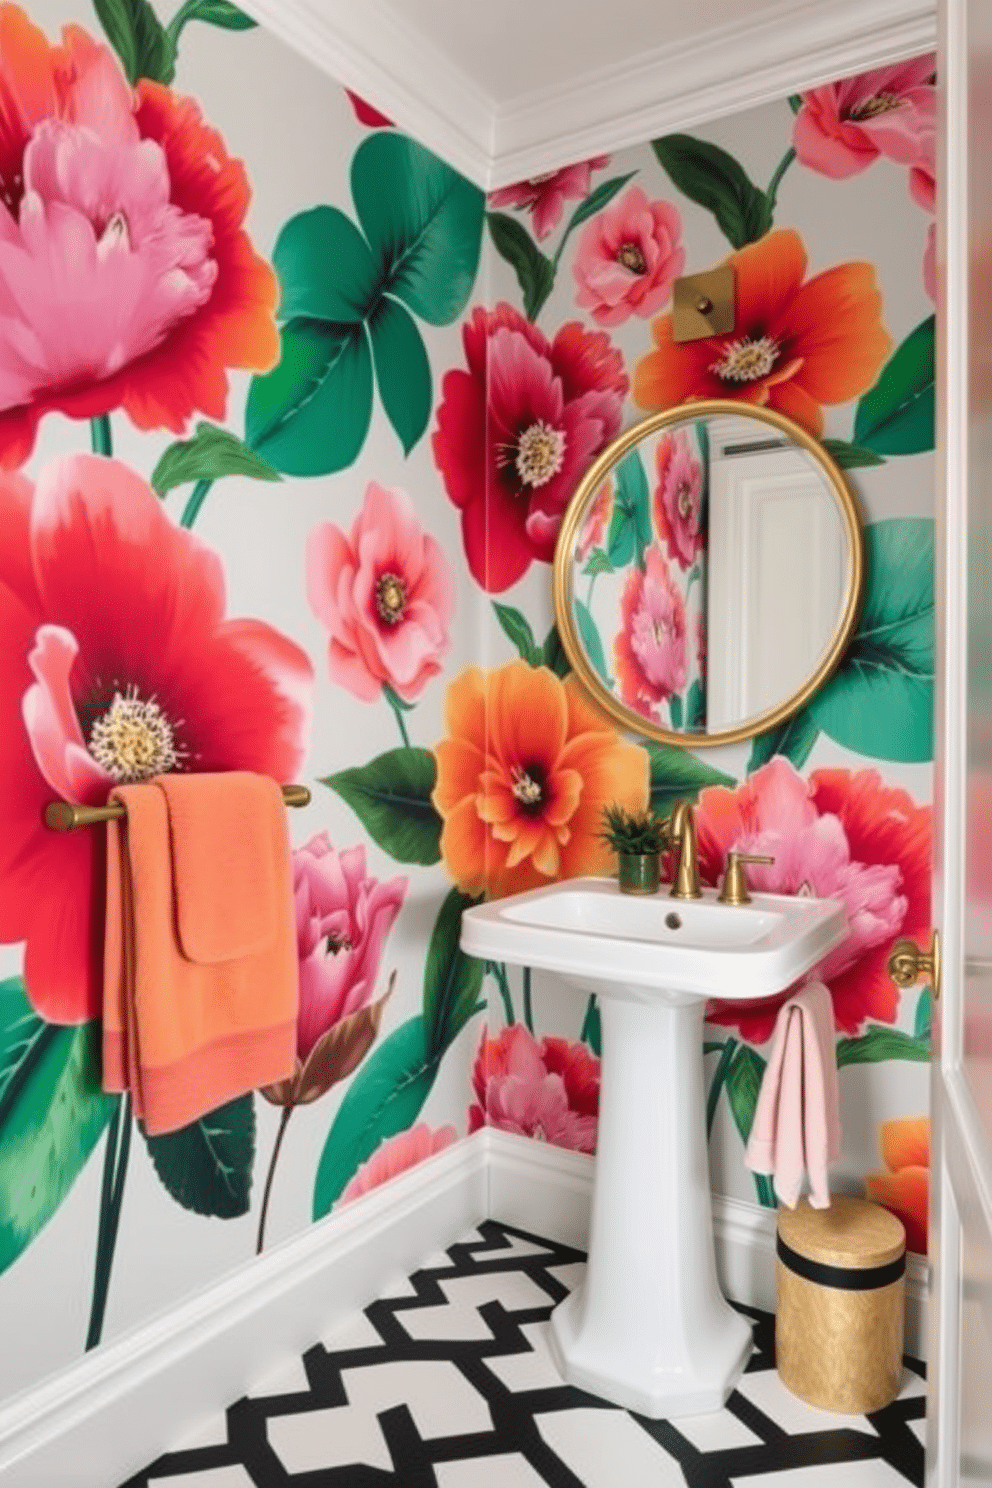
{"points": [[289, 418]]}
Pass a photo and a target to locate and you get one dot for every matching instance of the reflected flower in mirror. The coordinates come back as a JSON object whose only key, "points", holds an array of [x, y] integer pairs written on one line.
{"points": [[650, 651], [677, 504]]}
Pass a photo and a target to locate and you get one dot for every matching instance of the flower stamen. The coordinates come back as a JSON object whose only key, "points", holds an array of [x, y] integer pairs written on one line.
{"points": [[746, 360], [630, 255], [540, 453], [390, 598], [528, 791], [134, 740], [870, 108]]}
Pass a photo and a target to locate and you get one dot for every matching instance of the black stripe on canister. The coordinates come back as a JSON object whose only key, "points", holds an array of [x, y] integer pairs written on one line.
{"points": [[845, 1278]]}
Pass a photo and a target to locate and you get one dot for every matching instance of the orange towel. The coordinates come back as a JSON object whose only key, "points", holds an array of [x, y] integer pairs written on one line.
{"points": [[201, 978]]}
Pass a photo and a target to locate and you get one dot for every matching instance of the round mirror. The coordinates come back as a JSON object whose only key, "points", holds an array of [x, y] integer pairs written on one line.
{"points": [[708, 573]]}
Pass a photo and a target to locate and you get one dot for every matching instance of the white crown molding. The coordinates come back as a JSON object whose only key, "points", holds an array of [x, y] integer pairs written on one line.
{"points": [[374, 51]]}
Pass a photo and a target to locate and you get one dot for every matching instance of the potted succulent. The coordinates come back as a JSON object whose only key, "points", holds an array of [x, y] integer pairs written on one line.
{"points": [[638, 839]]}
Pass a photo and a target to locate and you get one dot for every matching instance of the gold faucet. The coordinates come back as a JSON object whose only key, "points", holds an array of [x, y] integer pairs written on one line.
{"points": [[680, 830]]}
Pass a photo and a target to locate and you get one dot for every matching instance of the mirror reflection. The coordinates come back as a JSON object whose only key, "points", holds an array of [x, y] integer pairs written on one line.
{"points": [[708, 573]]}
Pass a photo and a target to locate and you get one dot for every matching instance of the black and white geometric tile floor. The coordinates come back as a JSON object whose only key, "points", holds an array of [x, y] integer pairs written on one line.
{"points": [[447, 1382]]}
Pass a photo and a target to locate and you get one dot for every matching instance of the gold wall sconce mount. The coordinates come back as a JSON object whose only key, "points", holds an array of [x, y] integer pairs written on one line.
{"points": [[703, 304]]}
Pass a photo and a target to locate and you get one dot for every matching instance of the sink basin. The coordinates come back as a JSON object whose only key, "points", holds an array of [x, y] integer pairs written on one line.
{"points": [[586, 930], [649, 1328]]}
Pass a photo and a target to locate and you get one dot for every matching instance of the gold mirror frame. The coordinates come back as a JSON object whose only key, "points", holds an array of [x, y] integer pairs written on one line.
{"points": [[564, 567]]}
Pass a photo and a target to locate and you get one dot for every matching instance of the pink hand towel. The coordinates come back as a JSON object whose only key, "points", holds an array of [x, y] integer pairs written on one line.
{"points": [[796, 1120]]}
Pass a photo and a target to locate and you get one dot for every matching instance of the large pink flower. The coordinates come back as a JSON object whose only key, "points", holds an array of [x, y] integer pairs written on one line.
{"points": [[116, 663], [517, 430], [545, 196], [386, 596], [548, 1090], [890, 111], [396, 1155], [678, 498], [343, 917], [650, 651], [126, 278], [839, 835], [629, 257]]}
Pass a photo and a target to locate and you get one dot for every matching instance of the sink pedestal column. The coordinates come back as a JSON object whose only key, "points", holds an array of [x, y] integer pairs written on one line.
{"points": [[650, 1329]]}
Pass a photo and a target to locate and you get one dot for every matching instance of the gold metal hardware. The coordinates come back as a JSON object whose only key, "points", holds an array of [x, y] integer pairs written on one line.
{"points": [[703, 304], [734, 888], [64, 816], [680, 831], [907, 963]]}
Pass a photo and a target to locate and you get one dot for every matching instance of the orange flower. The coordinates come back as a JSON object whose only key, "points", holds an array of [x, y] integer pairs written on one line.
{"points": [[523, 779], [794, 345], [905, 1188]]}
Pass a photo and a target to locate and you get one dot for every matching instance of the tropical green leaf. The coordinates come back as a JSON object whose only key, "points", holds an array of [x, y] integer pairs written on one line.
{"points": [[695, 707], [52, 1113], [326, 269], [630, 526], [553, 654], [923, 1021], [851, 456], [675, 710], [679, 775], [423, 222], [452, 980], [897, 415], [207, 1166], [385, 1097], [212, 453], [517, 627], [597, 200], [592, 642], [535, 273], [592, 1027], [139, 39], [794, 738], [879, 1043], [391, 796], [310, 415], [743, 1082], [880, 700], [402, 370], [712, 178]]}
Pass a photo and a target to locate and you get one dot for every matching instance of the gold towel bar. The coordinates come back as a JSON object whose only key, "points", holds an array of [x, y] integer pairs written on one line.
{"points": [[63, 816]]}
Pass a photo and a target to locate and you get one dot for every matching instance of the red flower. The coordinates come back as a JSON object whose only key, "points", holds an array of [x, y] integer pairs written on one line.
{"points": [[840, 835], [116, 663], [126, 276], [545, 196], [518, 430], [548, 1090]]}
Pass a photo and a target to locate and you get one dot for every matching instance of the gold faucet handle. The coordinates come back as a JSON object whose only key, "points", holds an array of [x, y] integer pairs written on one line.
{"points": [[733, 890]]}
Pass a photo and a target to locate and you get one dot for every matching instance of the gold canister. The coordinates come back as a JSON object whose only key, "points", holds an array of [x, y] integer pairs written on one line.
{"points": [[840, 1317]]}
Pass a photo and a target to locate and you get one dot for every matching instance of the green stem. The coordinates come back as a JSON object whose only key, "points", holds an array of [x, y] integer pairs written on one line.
{"points": [[179, 20], [200, 493], [101, 438], [111, 1198], [719, 1080], [497, 970], [287, 1111], [398, 715], [776, 179], [528, 1009], [766, 1190]]}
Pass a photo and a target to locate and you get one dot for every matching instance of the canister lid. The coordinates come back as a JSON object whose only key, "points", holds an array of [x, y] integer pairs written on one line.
{"points": [[852, 1233]]}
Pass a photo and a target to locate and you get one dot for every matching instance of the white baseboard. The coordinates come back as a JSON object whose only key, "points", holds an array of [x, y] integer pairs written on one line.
{"points": [[99, 1421]]}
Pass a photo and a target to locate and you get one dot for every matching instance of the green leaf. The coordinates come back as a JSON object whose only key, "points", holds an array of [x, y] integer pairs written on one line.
{"points": [[678, 775], [391, 796], [207, 1166], [52, 1113], [695, 706], [310, 415], [326, 270], [211, 454], [214, 13], [402, 370], [517, 627], [423, 222], [879, 1043], [851, 456], [597, 200], [452, 980], [139, 39], [385, 1097], [923, 1020], [743, 1083], [675, 710], [880, 700], [795, 102], [712, 178], [553, 654], [592, 643], [794, 738], [897, 415], [598, 563], [630, 526], [535, 273]]}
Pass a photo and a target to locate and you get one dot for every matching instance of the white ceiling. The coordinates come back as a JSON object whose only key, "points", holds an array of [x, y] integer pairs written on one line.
{"points": [[508, 88]]}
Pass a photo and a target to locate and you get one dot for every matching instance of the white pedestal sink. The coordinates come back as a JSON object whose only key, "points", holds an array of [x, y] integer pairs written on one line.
{"points": [[650, 1328]]}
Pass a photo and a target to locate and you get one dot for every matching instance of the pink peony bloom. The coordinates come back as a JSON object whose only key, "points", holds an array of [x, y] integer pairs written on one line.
{"points": [[116, 663], [890, 111], [343, 917], [548, 1090], [386, 596], [596, 522], [629, 257], [545, 196], [395, 1155], [678, 498], [517, 431], [650, 652], [839, 835]]}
